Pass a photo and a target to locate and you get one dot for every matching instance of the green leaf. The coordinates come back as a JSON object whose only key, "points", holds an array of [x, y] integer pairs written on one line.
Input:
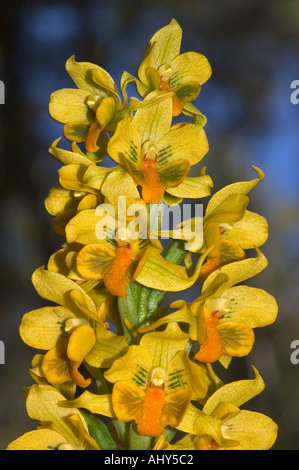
{"points": [[99, 431]]}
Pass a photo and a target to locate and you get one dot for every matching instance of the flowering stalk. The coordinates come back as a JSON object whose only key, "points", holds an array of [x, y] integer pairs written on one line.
{"points": [[106, 324]]}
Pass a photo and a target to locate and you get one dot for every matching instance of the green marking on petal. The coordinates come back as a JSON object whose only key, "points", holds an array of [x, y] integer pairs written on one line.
{"points": [[76, 131]]}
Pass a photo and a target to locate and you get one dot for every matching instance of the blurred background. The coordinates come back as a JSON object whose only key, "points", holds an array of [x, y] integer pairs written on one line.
{"points": [[253, 47]]}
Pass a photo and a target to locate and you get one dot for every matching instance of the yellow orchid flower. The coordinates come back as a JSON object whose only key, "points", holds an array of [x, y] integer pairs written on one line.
{"points": [[154, 152], [119, 194], [222, 319], [153, 383], [113, 257], [88, 110], [164, 68], [72, 331], [192, 187], [88, 240], [73, 193], [115, 264], [221, 425], [61, 428], [91, 109], [127, 259], [64, 262], [119, 259], [229, 227]]}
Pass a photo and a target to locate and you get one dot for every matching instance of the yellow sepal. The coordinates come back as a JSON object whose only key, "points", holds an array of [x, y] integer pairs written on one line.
{"points": [[172, 146], [97, 404], [40, 439], [133, 366], [42, 328], [193, 187], [43, 404], [69, 105], [189, 67], [161, 274], [237, 339], [162, 48], [83, 75]]}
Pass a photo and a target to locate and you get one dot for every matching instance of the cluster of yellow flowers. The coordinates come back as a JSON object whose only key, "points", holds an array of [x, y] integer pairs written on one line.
{"points": [[148, 366]]}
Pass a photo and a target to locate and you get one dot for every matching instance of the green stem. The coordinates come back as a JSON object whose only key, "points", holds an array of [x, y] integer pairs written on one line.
{"points": [[141, 304], [128, 309], [143, 301], [133, 307], [169, 433], [138, 442]]}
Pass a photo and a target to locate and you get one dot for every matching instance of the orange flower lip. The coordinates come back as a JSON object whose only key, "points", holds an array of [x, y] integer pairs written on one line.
{"points": [[152, 188], [92, 137], [211, 350], [148, 423], [178, 104], [118, 274]]}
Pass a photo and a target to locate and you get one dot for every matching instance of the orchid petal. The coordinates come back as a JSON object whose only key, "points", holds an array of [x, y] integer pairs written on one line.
{"points": [[133, 366], [189, 67], [250, 305], [127, 400], [83, 75], [93, 261], [40, 439], [172, 145], [42, 328], [237, 392], [162, 48], [193, 187], [243, 187], [69, 105], [175, 407], [153, 122]]}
